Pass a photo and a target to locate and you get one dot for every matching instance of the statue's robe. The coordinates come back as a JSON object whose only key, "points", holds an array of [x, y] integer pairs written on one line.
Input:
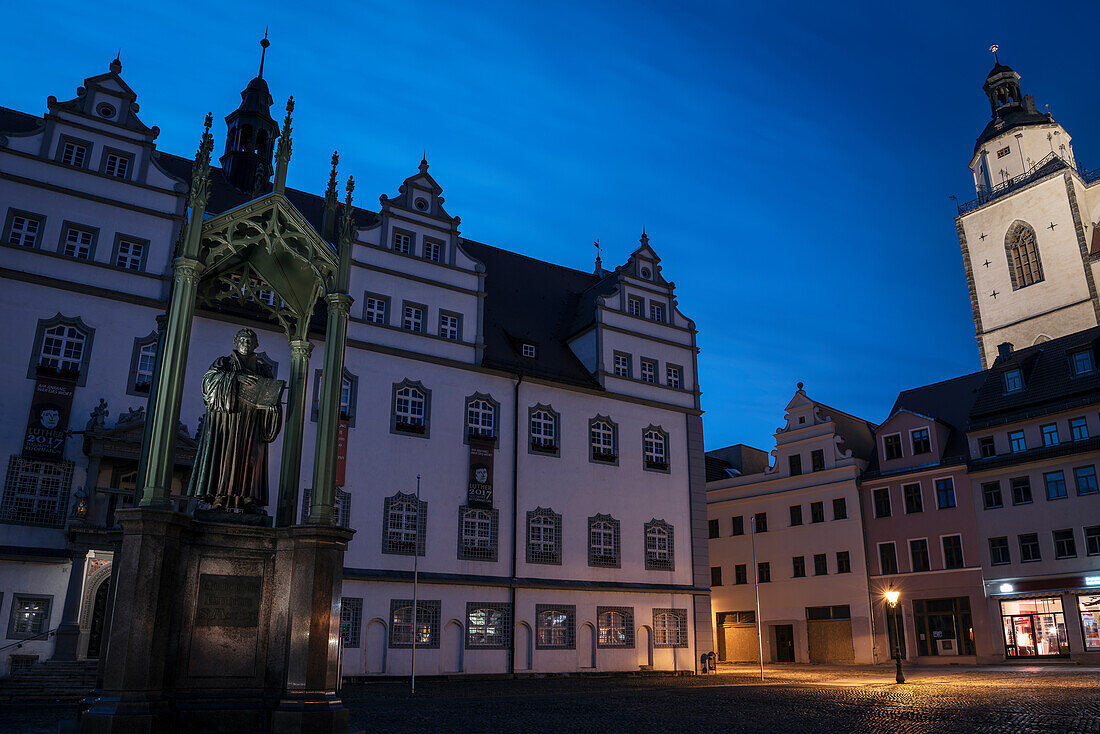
{"points": [[231, 462]]}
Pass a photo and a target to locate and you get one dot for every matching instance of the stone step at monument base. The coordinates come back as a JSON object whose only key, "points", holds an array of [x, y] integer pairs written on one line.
{"points": [[50, 681]]}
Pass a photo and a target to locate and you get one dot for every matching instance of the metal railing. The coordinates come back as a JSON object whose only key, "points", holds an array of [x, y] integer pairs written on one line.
{"points": [[1049, 164], [19, 643]]}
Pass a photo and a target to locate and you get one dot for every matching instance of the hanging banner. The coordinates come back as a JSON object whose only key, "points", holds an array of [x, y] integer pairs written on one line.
{"points": [[51, 404], [479, 490], [342, 454]]}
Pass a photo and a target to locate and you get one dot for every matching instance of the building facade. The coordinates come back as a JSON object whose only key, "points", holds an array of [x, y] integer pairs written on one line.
{"points": [[792, 534], [527, 437]]}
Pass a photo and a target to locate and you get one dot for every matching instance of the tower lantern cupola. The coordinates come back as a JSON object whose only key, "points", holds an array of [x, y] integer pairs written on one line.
{"points": [[251, 134], [1002, 86]]}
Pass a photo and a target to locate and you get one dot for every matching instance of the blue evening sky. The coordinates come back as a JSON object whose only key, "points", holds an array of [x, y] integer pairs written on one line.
{"points": [[791, 162]]}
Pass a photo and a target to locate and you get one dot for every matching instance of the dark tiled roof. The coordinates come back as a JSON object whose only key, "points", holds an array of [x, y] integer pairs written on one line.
{"points": [[716, 469], [858, 434], [1049, 385], [13, 121], [1010, 119]]}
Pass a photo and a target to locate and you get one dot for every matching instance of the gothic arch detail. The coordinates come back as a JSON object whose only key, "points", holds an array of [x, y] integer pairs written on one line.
{"points": [[91, 586], [1022, 251]]}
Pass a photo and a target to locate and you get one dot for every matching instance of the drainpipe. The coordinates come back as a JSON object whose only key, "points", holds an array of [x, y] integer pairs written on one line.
{"points": [[515, 521]]}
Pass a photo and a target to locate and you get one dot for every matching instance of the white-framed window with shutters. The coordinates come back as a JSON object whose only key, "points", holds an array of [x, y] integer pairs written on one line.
{"points": [[655, 448], [450, 326], [375, 308], [78, 241], [649, 370], [674, 376], [412, 317], [402, 242]]}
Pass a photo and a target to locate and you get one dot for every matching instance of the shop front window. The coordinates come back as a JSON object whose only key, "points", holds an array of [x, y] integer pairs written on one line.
{"points": [[1034, 627], [1089, 606], [944, 626]]}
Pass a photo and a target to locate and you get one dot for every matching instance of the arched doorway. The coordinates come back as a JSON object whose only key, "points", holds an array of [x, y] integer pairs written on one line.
{"points": [[374, 647], [644, 646], [452, 647], [97, 635], [525, 647], [586, 647]]}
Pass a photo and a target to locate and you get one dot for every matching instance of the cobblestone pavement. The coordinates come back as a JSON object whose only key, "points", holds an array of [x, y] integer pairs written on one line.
{"points": [[803, 699]]}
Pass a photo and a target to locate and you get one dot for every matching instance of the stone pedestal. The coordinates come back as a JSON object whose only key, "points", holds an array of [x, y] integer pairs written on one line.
{"points": [[220, 628]]}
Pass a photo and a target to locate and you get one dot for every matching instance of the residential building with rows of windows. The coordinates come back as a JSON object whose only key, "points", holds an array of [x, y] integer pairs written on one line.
{"points": [[791, 532], [528, 436]]}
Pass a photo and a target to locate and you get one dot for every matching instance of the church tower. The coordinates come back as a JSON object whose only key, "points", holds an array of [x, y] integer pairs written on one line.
{"points": [[251, 135], [1028, 240]]}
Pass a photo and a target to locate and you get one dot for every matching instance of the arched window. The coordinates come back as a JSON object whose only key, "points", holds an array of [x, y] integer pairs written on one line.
{"points": [[555, 626], [670, 628], [544, 429], [601, 439], [409, 408], [245, 142], [427, 623], [543, 536], [658, 545], [480, 417], [655, 448], [1022, 251], [615, 627]]}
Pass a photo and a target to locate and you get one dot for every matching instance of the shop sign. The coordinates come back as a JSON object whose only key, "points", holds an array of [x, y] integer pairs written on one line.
{"points": [[342, 454], [479, 489], [48, 422]]}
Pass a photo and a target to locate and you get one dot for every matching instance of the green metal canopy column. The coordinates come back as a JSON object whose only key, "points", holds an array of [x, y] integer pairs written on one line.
{"points": [[290, 471]]}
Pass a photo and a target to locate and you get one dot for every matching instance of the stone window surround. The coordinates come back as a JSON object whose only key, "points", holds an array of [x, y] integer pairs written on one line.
{"points": [[426, 433], [912, 558], [385, 308], [680, 370], [129, 157], [615, 447], [494, 530], [431, 608], [651, 562], [628, 627], [616, 560], [680, 615], [496, 417], [882, 571], [1020, 229], [131, 379], [555, 557], [76, 322], [570, 611], [423, 317], [15, 597], [64, 138], [453, 314], [421, 523], [656, 367], [506, 625], [943, 550], [10, 220], [353, 395], [434, 241], [119, 237], [66, 225], [668, 460], [556, 453], [616, 355], [394, 231]]}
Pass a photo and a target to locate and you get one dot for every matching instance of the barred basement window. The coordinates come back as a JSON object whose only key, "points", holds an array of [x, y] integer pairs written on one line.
{"points": [[670, 628], [488, 625], [477, 534], [36, 492], [655, 448], [603, 541], [658, 546], [555, 626], [351, 620], [427, 623], [341, 507], [404, 525], [614, 626], [602, 439], [1023, 256], [543, 536]]}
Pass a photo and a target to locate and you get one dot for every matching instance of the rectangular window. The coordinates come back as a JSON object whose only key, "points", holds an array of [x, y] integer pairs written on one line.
{"points": [[1092, 540], [1056, 485], [649, 370], [712, 528], [1016, 442], [1049, 433], [74, 155], [740, 574], [922, 443], [1004, 152], [30, 616], [1021, 490], [670, 628], [673, 377], [555, 626], [794, 461], [738, 525], [798, 566], [1082, 363], [449, 326], [840, 509], [998, 551], [991, 495], [129, 255], [891, 446], [763, 572], [657, 312], [402, 243], [622, 364], [374, 309], [78, 243], [488, 625], [413, 318], [36, 492], [914, 500], [817, 460], [952, 551], [1029, 548], [1078, 429], [1014, 380], [433, 251], [1085, 478], [918, 555], [477, 533], [843, 562], [887, 558], [1065, 546], [1088, 606], [24, 231], [821, 564], [882, 502], [715, 575], [116, 165], [761, 522], [945, 493], [796, 515], [528, 350], [634, 306], [351, 621], [817, 512], [987, 447], [544, 537]]}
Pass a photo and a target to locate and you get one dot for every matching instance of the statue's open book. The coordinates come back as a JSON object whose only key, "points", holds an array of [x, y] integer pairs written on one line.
{"points": [[261, 392]]}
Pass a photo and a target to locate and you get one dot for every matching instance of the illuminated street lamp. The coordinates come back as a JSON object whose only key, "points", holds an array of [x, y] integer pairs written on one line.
{"points": [[892, 600]]}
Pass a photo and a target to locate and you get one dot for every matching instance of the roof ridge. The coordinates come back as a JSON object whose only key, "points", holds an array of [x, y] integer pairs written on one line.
{"points": [[532, 259]]}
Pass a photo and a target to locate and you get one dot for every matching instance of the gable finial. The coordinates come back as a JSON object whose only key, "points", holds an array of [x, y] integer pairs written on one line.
{"points": [[264, 43], [993, 50], [799, 385], [282, 154], [347, 235], [116, 65], [644, 239], [599, 260], [328, 228], [424, 162]]}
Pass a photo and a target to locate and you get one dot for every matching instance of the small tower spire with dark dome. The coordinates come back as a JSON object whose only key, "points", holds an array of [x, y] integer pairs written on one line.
{"points": [[251, 135]]}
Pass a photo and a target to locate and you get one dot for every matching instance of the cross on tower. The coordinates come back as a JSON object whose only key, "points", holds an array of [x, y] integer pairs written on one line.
{"points": [[1052, 226], [982, 237], [994, 294], [986, 263]]}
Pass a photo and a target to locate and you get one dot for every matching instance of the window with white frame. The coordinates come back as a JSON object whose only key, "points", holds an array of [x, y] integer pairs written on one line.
{"points": [[544, 429], [349, 389], [657, 311], [674, 376], [63, 348], [601, 439], [130, 255], [480, 417], [477, 534], [404, 525], [426, 629], [374, 309], [433, 251], [402, 242], [74, 154], [603, 541], [24, 230], [116, 165], [555, 626], [488, 625], [528, 350], [410, 409], [1082, 362], [634, 306], [36, 492], [622, 364], [614, 626], [670, 628], [413, 318], [544, 536], [449, 326], [78, 243], [658, 546], [144, 360], [351, 620], [655, 448], [649, 370], [346, 401]]}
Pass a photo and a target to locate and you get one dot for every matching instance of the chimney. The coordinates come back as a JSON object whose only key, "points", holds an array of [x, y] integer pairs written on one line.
{"points": [[1004, 350]]}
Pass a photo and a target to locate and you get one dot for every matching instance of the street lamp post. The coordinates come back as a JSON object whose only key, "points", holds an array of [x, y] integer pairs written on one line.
{"points": [[892, 600]]}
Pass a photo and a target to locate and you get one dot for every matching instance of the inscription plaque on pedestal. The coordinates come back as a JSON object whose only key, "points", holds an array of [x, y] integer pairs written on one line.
{"points": [[228, 601]]}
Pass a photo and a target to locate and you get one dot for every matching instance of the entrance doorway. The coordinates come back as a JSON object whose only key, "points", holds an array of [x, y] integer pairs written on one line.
{"points": [[97, 634], [784, 643], [1034, 628]]}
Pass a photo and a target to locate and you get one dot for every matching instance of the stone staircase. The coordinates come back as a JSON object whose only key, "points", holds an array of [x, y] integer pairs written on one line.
{"points": [[50, 681]]}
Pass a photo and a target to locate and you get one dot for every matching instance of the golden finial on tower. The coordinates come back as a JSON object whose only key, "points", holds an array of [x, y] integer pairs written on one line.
{"points": [[993, 50]]}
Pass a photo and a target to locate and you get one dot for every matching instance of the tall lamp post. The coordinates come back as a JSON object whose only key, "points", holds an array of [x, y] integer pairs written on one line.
{"points": [[892, 600]]}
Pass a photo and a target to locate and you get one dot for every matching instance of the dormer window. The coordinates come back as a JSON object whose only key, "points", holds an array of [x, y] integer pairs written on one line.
{"points": [[116, 165], [1082, 363], [922, 443], [402, 242], [891, 447], [528, 350], [1014, 380]]}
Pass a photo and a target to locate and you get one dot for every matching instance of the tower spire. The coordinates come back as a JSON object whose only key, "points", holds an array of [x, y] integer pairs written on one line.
{"points": [[264, 43]]}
